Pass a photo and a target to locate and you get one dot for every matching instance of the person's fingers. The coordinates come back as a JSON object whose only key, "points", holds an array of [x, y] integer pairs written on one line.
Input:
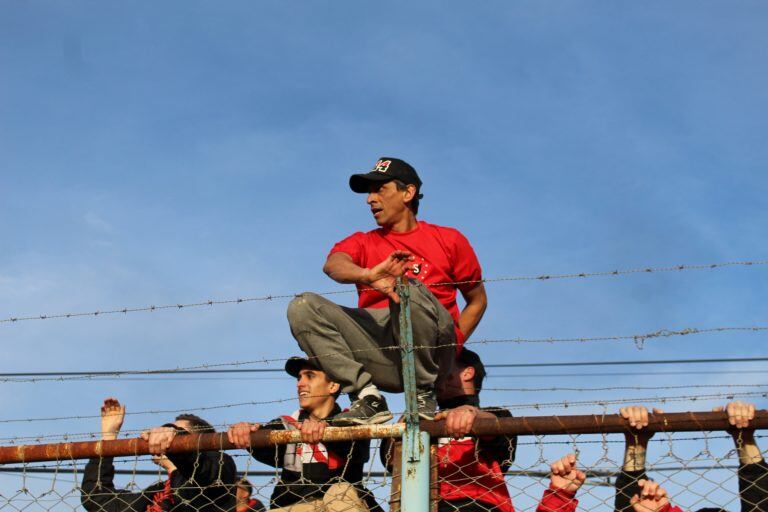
{"points": [[568, 464], [580, 477], [634, 499], [624, 411], [144, 435], [643, 417], [440, 416], [557, 468], [719, 408], [661, 493], [657, 411]]}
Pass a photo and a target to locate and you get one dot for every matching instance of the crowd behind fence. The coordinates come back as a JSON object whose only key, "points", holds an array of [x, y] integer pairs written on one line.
{"points": [[553, 464]]}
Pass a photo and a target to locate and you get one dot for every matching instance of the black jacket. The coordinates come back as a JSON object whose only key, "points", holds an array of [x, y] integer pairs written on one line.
{"points": [[753, 488], [308, 471], [202, 482]]}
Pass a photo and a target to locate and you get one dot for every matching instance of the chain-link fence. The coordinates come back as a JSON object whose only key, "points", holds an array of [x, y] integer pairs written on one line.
{"points": [[545, 463]]}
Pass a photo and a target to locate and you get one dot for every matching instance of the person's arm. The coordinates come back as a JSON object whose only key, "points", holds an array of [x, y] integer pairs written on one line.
{"points": [[635, 448], [98, 493], [470, 316], [753, 472], [341, 268], [240, 435], [565, 480]]}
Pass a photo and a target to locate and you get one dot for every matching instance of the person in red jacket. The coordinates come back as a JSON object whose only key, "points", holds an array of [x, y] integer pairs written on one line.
{"points": [[565, 479], [356, 347]]}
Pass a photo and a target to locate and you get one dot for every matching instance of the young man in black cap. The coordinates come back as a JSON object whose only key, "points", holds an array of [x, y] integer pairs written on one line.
{"points": [[356, 347], [315, 475]]}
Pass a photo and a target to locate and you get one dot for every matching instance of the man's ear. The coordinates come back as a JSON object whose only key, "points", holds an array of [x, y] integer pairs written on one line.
{"points": [[409, 193], [468, 374], [334, 388]]}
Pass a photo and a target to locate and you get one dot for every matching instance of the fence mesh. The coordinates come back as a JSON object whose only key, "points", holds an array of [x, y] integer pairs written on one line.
{"points": [[696, 470]]}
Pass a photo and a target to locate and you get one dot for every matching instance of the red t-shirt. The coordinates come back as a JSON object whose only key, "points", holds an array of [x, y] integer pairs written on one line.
{"points": [[441, 255]]}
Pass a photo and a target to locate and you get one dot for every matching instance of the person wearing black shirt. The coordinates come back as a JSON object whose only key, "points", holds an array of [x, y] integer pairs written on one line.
{"points": [[196, 481], [632, 484], [315, 475]]}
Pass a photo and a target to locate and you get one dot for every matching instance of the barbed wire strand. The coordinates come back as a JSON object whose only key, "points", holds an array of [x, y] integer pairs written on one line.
{"points": [[271, 297]]}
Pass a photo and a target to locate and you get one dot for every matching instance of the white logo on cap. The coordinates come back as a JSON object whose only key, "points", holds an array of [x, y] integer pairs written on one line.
{"points": [[382, 165]]}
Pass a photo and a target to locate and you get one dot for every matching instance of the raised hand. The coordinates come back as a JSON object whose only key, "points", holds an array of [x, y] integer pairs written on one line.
{"points": [[565, 475], [651, 498], [383, 277], [637, 417], [112, 417], [739, 413], [239, 434]]}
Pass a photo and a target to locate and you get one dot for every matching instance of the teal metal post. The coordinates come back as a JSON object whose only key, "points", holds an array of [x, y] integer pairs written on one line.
{"points": [[415, 459]]}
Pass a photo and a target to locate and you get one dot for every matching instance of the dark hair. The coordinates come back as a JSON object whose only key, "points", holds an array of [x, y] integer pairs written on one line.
{"points": [[198, 424], [245, 484], [414, 204], [467, 358]]}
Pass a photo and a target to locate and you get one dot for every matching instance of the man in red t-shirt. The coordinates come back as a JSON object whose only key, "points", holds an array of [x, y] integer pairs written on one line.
{"points": [[358, 347]]}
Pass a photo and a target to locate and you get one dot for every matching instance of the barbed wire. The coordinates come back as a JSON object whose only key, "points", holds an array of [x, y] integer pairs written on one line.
{"points": [[535, 405], [266, 298], [212, 367]]}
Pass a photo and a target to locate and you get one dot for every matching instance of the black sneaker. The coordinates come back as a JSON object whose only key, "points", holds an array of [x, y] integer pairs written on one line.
{"points": [[426, 403], [369, 410]]}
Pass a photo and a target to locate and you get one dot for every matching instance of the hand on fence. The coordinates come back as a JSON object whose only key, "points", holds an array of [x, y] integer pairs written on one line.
{"points": [[637, 416], [739, 413], [651, 498], [565, 474], [382, 277], [312, 430], [458, 421], [239, 434], [112, 417], [159, 439], [164, 462]]}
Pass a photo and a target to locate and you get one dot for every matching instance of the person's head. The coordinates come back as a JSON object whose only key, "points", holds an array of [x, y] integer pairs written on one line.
{"points": [[393, 189], [243, 492], [315, 390], [465, 378], [194, 424]]}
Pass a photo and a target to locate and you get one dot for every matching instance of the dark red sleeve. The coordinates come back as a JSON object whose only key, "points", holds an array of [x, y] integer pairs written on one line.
{"points": [[352, 245], [466, 268], [558, 500]]}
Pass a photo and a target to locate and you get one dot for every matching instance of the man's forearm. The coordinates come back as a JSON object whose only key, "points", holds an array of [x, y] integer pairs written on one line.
{"points": [[344, 270]]}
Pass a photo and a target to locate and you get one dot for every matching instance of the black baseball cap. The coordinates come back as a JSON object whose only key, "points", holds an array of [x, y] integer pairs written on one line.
{"points": [[386, 169], [469, 358], [295, 364]]}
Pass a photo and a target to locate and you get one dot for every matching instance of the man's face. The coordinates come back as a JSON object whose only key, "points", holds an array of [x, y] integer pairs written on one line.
{"points": [[314, 389], [387, 204], [456, 383]]}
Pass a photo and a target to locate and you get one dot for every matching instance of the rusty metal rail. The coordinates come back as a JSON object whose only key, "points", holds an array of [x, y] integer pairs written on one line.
{"points": [[522, 426]]}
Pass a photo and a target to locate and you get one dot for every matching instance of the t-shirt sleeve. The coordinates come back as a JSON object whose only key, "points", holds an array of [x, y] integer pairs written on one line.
{"points": [[465, 266], [352, 245]]}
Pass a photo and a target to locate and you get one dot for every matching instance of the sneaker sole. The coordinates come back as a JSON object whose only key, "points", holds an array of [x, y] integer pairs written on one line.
{"points": [[379, 417]]}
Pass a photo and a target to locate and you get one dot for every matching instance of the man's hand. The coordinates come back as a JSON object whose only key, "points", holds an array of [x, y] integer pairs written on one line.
{"points": [[383, 277], [239, 434], [565, 475], [739, 413], [637, 416], [312, 430], [651, 498], [159, 439], [458, 421], [112, 417]]}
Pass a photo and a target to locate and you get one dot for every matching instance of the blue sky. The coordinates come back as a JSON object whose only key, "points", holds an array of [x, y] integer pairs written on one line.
{"points": [[162, 153]]}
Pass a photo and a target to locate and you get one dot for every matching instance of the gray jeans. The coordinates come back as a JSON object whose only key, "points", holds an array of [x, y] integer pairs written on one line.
{"points": [[357, 347]]}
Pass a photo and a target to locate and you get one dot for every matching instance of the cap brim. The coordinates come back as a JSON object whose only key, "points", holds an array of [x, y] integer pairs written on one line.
{"points": [[294, 365], [361, 182]]}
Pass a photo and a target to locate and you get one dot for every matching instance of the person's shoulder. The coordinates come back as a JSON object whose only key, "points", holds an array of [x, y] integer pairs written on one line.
{"points": [[445, 232]]}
